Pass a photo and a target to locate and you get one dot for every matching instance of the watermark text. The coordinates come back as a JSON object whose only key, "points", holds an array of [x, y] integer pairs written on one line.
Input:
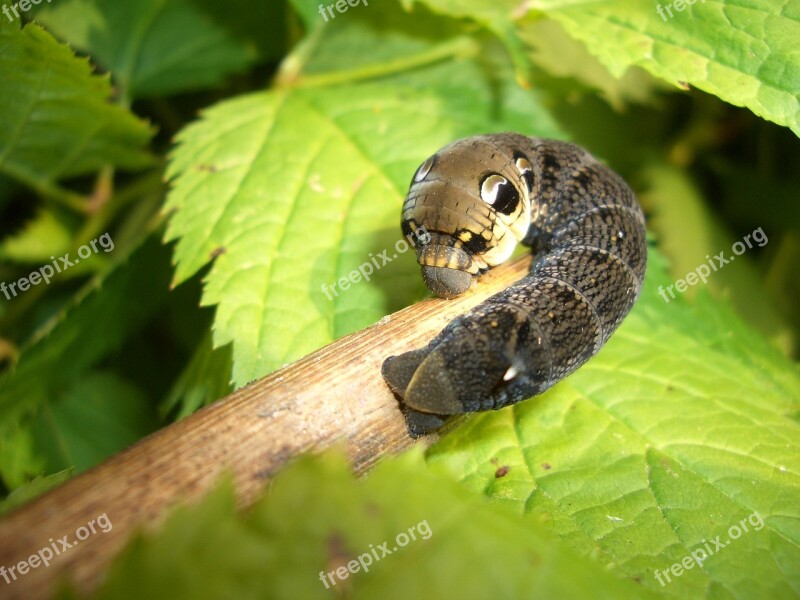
{"points": [[100, 524], [678, 5], [363, 562], [702, 272], [375, 263], [46, 272], [342, 6], [699, 555], [23, 5]]}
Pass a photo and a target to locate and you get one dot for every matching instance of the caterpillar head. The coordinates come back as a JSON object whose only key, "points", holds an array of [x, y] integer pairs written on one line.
{"points": [[472, 199]]}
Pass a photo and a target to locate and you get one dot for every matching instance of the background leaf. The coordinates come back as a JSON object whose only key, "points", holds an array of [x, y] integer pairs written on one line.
{"points": [[57, 120], [205, 379], [45, 236], [317, 519], [53, 366], [35, 487], [744, 53], [150, 46], [96, 418], [266, 25], [674, 202]]}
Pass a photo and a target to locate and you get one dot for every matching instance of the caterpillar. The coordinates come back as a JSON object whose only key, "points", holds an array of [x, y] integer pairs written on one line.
{"points": [[476, 199]]}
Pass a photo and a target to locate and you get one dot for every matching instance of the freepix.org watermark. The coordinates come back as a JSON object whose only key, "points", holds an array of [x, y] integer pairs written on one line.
{"points": [[678, 5], [365, 270], [342, 7], [699, 555], [23, 5], [100, 524], [702, 272], [363, 562], [46, 272]]}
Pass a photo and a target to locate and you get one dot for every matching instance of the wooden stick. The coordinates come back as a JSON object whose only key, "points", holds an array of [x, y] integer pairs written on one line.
{"points": [[333, 396]]}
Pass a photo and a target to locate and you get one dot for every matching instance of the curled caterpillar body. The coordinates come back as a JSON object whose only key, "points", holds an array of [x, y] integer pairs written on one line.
{"points": [[476, 199]]}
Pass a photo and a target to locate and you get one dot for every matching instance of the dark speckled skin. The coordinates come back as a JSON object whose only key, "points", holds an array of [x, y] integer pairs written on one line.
{"points": [[587, 232]]}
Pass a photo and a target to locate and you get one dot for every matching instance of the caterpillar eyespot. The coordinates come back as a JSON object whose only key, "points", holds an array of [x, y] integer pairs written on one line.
{"points": [[478, 198], [423, 170]]}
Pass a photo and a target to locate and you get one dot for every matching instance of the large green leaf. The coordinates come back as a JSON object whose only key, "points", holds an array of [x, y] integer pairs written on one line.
{"points": [[289, 191], [317, 519], [56, 118], [151, 47], [745, 53], [684, 424]]}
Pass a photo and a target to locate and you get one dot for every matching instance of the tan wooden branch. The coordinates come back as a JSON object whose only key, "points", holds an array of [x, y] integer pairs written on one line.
{"points": [[333, 396]]}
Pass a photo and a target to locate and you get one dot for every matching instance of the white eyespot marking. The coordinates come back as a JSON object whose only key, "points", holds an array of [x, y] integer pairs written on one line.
{"points": [[510, 373], [523, 165], [490, 188], [525, 169], [423, 170]]}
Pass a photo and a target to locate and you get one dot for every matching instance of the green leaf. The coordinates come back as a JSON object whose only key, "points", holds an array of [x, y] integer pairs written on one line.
{"points": [[689, 232], [307, 10], [317, 519], [559, 55], [263, 24], [33, 489], [57, 120], [498, 17], [684, 424], [206, 379], [151, 47], [99, 416], [60, 355], [742, 52], [291, 190], [44, 236]]}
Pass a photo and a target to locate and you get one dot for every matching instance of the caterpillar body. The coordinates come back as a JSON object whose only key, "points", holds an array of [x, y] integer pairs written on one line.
{"points": [[475, 199]]}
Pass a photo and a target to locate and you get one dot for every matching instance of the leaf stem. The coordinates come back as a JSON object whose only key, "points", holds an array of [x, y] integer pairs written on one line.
{"points": [[149, 182], [49, 190], [459, 47]]}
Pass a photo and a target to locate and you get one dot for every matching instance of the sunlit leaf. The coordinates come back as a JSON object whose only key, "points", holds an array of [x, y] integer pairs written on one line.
{"points": [[742, 52]]}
